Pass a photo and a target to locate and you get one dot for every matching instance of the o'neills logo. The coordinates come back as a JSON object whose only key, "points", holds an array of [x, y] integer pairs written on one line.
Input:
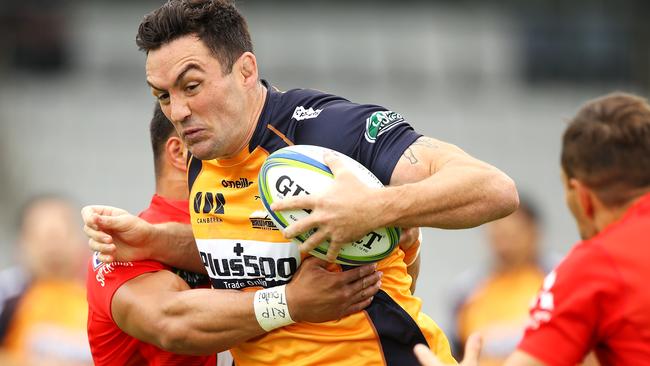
{"points": [[241, 183]]}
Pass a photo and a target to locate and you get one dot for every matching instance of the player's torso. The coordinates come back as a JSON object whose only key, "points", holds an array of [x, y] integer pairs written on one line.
{"points": [[241, 249], [238, 243]]}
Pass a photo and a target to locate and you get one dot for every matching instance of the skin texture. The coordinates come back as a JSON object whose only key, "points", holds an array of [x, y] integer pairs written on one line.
{"points": [[214, 114]]}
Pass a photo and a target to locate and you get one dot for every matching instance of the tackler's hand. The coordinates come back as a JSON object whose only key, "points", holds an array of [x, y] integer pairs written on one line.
{"points": [[116, 234]]}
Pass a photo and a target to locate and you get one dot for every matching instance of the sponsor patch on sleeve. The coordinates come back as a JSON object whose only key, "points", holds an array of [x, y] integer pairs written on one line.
{"points": [[381, 122], [300, 113]]}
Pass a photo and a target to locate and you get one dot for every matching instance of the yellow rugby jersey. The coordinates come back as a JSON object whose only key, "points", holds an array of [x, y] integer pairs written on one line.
{"points": [[241, 248]]}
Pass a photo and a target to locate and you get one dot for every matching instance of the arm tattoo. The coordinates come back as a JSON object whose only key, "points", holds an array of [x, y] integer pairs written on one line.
{"points": [[424, 142], [408, 154]]}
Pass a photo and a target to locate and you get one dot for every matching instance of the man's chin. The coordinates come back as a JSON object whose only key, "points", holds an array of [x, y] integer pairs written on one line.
{"points": [[202, 152]]}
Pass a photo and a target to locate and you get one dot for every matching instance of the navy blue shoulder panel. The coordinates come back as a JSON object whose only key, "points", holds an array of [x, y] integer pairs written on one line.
{"points": [[194, 167], [370, 134]]}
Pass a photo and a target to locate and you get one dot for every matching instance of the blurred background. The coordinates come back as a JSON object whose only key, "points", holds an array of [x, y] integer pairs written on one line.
{"points": [[497, 78]]}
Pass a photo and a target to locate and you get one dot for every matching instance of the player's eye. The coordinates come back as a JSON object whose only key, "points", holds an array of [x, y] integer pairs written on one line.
{"points": [[191, 87], [163, 97]]}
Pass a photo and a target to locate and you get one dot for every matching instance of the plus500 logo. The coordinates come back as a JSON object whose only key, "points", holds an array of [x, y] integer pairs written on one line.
{"points": [[250, 265]]}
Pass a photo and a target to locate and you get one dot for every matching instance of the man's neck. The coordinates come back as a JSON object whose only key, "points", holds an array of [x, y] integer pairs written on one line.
{"points": [[257, 101], [608, 215], [172, 188]]}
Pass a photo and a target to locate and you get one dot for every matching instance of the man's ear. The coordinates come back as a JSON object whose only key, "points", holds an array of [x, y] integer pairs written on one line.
{"points": [[247, 67], [176, 153], [586, 197]]}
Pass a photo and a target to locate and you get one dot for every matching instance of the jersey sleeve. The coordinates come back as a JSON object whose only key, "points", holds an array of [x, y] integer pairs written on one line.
{"points": [[104, 280], [565, 317], [373, 135]]}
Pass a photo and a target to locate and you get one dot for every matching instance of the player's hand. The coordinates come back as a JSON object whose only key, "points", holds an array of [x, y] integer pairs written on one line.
{"points": [[342, 213], [472, 352], [116, 234], [316, 294]]}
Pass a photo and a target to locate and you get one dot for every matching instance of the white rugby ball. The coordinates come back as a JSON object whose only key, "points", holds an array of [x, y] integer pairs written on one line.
{"points": [[300, 169]]}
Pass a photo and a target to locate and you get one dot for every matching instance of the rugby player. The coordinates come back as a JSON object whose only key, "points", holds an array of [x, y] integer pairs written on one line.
{"points": [[42, 300], [201, 67], [129, 302], [597, 299]]}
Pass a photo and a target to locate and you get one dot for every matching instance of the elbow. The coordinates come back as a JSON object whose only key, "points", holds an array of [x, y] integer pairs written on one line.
{"points": [[178, 338], [505, 199], [172, 337]]}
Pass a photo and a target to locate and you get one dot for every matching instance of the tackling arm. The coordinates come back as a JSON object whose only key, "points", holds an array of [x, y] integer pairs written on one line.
{"points": [[159, 308]]}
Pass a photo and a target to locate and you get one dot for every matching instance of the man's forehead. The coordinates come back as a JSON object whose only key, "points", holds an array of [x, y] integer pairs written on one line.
{"points": [[170, 58]]}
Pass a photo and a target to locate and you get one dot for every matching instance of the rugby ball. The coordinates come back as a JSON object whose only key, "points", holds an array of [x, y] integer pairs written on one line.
{"points": [[300, 169]]}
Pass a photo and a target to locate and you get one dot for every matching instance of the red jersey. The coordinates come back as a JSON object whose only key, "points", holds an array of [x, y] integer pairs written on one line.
{"points": [[598, 298], [108, 343]]}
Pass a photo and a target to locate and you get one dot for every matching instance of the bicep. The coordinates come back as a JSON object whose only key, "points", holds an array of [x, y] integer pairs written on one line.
{"points": [[135, 304], [425, 157]]}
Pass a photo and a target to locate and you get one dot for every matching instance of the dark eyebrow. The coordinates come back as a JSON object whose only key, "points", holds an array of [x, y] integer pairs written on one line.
{"points": [[188, 67]]}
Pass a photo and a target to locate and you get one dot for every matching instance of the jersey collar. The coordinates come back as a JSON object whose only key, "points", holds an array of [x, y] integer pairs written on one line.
{"points": [[272, 97]]}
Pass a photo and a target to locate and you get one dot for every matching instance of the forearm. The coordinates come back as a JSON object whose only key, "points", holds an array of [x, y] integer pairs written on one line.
{"points": [[459, 196], [208, 321], [173, 244], [194, 322]]}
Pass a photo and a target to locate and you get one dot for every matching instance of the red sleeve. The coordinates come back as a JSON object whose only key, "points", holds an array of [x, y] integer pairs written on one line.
{"points": [[104, 279], [565, 316]]}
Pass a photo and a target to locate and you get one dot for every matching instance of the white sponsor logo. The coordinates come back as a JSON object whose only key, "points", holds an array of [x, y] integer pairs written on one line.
{"points": [[107, 268], [236, 264], [543, 305], [301, 113]]}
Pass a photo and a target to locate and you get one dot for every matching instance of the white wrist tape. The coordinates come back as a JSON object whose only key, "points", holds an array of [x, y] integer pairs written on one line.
{"points": [[271, 308]]}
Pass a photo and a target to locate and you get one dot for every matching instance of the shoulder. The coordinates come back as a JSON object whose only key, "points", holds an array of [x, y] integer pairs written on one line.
{"points": [[586, 265], [303, 110], [108, 277], [373, 135], [104, 279]]}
